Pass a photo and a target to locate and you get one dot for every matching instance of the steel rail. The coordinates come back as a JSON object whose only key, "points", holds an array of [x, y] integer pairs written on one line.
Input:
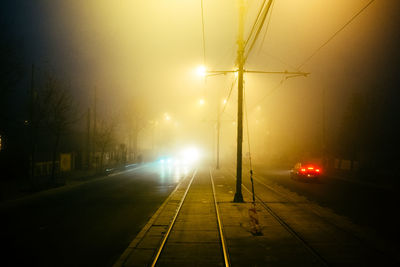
{"points": [[172, 223], [311, 212], [290, 229], [221, 235]]}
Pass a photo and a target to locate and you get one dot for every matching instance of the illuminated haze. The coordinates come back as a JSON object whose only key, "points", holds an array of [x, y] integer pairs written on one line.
{"points": [[147, 52]]}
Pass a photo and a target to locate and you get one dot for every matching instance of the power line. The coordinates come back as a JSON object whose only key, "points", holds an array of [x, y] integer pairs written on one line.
{"points": [[204, 39], [272, 91], [229, 95], [336, 33], [267, 27], [280, 60], [255, 23], [264, 15], [247, 126], [248, 142]]}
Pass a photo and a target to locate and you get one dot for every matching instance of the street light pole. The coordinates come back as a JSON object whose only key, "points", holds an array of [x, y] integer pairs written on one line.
{"points": [[240, 61], [241, 58]]}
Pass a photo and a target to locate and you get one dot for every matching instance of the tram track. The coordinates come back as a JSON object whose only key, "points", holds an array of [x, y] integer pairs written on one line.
{"points": [[182, 205], [195, 227], [296, 235], [303, 238], [320, 217], [157, 256]]}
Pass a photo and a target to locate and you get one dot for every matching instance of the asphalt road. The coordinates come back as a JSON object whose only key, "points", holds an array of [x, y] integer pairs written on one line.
{"points": [[366, 205], [86, 225]]}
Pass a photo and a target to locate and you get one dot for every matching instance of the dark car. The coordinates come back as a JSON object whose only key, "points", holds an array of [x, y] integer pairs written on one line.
{"points": [[305, 171]]}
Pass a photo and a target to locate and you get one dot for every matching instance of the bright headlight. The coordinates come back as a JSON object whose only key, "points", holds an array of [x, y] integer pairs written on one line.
{"points": [[190, 154]]}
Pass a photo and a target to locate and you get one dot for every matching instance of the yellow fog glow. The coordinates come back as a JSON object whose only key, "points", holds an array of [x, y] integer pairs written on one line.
{"points": [[148, 62]]}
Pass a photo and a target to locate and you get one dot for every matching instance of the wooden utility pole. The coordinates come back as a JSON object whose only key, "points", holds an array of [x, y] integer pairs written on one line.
{"points": [[240, 62]]}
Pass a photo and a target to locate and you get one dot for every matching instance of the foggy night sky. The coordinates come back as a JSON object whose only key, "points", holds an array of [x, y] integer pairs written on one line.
{"points": [[150, 49]]}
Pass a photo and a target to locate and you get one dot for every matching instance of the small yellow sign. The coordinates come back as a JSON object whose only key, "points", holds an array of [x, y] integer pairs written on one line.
{"points": [[65, 162]]}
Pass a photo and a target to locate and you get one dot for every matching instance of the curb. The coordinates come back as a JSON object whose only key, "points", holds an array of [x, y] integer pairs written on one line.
{"points": [[125, 255]]}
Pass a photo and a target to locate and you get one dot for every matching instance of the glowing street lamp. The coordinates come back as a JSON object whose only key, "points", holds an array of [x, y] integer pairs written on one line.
{"points": [[201, 71], [201, 102]]}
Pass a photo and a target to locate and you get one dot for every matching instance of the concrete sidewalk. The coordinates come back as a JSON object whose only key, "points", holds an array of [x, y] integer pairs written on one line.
{"points": [[299, 237]]}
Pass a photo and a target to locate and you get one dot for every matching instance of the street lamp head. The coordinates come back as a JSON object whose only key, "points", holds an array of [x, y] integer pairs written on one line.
{"points": [[201, 71]]}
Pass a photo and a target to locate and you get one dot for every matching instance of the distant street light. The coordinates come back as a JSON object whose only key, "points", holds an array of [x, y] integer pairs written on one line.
{"points": [[201, 102]]}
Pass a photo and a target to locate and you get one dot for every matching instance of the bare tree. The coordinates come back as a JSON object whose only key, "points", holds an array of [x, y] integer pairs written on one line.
{"points": [[59, 113], [11, 73], [105, 138], [11, 66], [136, 120]]}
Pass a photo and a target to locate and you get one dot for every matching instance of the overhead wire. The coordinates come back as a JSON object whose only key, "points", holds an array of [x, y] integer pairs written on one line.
{"points": [[204, 45], [317, 50], [336, 33], [229, 95], [263, 40], [260, 26], [248, 143], [247, 126], [267, 27], [221, 61], [255, 23], [204, 38], [279, 84], [280, 61], [204, 53]]}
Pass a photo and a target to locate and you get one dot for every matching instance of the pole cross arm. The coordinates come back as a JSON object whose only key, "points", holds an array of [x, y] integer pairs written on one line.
{"points": [[292, 73], [218, 72]]}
